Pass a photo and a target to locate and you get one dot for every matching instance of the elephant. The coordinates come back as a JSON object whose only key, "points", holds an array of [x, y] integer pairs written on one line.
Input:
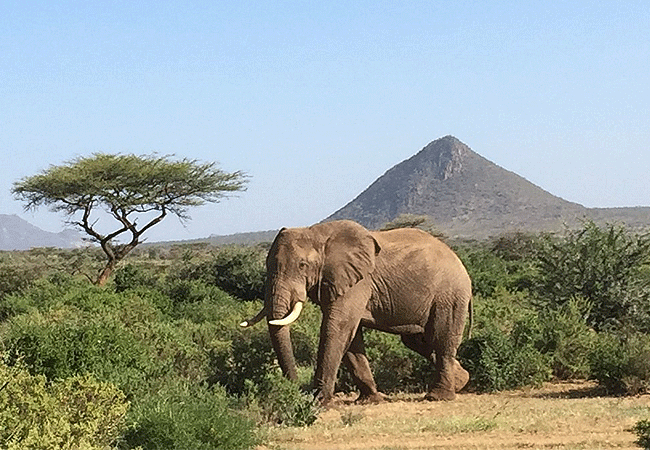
{"points": [[402, 281]]}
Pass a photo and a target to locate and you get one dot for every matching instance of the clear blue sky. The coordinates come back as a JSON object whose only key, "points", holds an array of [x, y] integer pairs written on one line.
{"points": [[315, 101]]}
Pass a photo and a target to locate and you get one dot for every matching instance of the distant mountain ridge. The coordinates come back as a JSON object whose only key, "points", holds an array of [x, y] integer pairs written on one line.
{"points": [[468, 196], [464, 194], [18, 234]]}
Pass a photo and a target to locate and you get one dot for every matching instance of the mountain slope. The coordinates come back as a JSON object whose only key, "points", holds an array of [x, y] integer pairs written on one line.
{"points": [[466, 195], [18, 234]]}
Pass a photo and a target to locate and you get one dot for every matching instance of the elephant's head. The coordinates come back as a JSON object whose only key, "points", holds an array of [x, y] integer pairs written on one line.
{"points": [[321, 262]]}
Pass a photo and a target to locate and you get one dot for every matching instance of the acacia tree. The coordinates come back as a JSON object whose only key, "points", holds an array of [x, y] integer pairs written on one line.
{"points": [[129, 188]]}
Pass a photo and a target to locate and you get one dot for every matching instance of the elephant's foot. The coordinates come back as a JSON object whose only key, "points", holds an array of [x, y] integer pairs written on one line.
{"points": [[324, 399], [439, 394], [461, 377], [376, 397]]}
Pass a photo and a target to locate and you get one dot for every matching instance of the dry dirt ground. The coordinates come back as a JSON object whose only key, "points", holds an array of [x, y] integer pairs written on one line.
{"points": [[556, 416]]}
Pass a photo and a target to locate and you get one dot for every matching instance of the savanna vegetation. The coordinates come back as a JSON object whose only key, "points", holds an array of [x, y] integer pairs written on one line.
{"points": [[134, 192], [154, 359]]}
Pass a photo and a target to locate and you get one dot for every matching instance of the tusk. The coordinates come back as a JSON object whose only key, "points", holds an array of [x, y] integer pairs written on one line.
{"points": [[290, 318], [250, 322]]}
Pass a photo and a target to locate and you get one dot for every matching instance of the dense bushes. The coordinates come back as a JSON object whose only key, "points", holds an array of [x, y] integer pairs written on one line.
{"points": [[72, 413], [284, 401], [571, 306], [237, 270], [61, 343], [188, 416], [605, 266], [154, 341], [622, 363]]}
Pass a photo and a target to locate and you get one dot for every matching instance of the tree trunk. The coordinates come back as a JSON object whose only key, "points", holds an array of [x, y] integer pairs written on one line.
{"points": [[106, 272]]}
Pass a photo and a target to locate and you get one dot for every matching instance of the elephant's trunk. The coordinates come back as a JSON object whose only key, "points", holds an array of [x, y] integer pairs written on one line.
{"points": [[280, 315], [281, 340]]}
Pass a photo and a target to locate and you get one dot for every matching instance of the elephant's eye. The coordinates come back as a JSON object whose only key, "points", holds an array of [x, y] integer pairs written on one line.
{"points": [[302, 265]]}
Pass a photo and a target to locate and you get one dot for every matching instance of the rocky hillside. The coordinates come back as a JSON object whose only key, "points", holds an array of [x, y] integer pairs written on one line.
{"points": [[18, 234], [468, 196]]}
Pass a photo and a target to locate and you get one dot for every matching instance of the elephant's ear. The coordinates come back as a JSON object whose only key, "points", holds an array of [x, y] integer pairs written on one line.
{"points": [[349, 257]]}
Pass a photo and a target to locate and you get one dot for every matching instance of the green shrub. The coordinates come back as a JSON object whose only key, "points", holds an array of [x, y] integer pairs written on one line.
{"points": [[200, 303], [238, 270], [282, 402], [187, 416], [602, 265], [41, 294], [501, 311], [247, 358], [78, 412], [621, 363], [507, 263], [642, 430], [568, 340], [58, 290], [132, 276], [187, 291], [505, 352], [61, 343], [14, 279], [495, 362], [305, 335]]}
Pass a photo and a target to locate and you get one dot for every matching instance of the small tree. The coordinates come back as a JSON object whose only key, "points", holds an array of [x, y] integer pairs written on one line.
{"points": [[128, 188], [606, 266], [413, 221]]}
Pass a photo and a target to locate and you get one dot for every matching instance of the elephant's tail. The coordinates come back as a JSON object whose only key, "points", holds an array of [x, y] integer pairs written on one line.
{"points": [[470, 312]]}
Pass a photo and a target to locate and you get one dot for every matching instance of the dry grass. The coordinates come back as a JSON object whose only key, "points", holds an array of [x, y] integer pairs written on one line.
{"points": [[557, 416]]}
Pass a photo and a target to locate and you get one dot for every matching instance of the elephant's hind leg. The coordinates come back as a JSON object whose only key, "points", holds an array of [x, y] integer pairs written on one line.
{"points": [[357, 363], [418, 344], [444, 331]]}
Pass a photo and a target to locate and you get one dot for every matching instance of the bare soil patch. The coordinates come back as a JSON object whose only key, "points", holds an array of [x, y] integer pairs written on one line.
{"points": [[555, 416]]}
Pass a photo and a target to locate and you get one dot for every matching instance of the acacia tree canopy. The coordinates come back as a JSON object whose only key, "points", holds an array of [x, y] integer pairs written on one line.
{"points": [[128, 188]]}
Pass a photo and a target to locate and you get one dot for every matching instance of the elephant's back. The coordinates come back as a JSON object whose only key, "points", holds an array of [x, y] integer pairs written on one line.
{"points": [[421, 255]]}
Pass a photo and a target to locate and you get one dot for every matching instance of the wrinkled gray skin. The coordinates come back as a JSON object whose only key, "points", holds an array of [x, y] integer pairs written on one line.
{"points": [[402, 281]]}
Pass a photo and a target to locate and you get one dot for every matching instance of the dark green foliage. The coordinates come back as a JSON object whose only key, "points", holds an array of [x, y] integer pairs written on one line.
{"points": [[568, 340], [494, 266], [515, 246], [516, 345], [283, 402], [14, 278], [642, 430], [621, 363], [305, 334], [61, 343], [132, 276], [187, 291], [21, 270], [247, 358], [59, 290], [602, 265], [184, 416], [238, 270], [496, 361]]}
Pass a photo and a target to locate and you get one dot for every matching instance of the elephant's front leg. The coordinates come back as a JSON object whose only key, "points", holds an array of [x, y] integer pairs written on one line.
{"points": [[340, 322], [357, 363]]}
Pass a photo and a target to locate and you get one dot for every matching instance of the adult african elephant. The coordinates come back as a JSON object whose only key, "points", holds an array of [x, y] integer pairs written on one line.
{"points": [[401, 281]]}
